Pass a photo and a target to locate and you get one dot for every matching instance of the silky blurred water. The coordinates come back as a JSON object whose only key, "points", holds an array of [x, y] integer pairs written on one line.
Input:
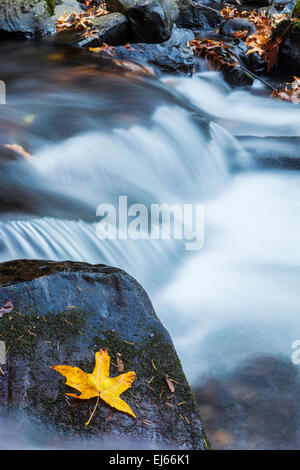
{"points": [[231, 307]]}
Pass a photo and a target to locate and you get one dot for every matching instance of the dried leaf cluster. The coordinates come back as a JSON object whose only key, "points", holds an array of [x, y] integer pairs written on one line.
{"points": [[216, 53], [261, 41], [291, 92], [81, 21]]}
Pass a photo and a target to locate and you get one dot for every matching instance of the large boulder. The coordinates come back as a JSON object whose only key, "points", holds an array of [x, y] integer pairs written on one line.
{"points": [[33, 17], [197, 16], [150, 21], [111, 29], [63, 313], [172, 56]]}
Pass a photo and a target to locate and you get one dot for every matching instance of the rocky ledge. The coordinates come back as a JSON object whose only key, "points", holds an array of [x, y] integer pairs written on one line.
{"points": [[62, 313]]}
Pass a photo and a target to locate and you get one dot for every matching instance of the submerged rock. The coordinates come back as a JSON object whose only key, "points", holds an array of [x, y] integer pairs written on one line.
{"points": [[253, 404], [64, 313], [111, 29], [149, 20]]}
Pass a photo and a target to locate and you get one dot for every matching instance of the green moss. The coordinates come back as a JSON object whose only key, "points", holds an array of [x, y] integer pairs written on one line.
{"points": [[22, 332], [50, 6], [296, 10]]}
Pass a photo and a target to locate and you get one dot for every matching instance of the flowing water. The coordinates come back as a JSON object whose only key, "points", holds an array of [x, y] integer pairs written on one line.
{"points": [[95, 132]]}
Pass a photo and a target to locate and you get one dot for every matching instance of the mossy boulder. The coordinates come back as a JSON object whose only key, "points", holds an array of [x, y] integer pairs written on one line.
{"points": [[64, 313], [31, 18]]}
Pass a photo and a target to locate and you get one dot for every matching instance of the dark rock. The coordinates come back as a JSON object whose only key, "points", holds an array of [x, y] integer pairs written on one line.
{"points": [[111, 29], [255, 63], [289, 50], [237, 77], [229, 27], [256, 3], [112, 310], [280, 3], [197, 16], [172, 56], [150, 21], [252, 62]]}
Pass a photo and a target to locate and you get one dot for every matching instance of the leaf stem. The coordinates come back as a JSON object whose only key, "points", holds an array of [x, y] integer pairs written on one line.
{"points": [[93, 412]]}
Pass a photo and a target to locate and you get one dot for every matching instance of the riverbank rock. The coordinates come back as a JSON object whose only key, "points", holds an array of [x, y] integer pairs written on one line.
{"points": [[289, 49], [229, 27], [110, 29], [172, 56], [197, 16], [32, 18], [63, 313], [150, 21]]}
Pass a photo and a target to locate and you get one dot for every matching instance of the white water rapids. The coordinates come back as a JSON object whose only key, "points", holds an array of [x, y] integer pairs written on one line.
{"points": [[236, 299]]}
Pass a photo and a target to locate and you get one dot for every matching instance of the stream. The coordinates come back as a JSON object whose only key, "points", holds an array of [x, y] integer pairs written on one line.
{"points": [[96, 131]]}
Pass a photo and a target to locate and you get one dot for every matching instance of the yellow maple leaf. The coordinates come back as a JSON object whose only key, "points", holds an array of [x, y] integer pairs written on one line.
{"points": [[98, 383]]}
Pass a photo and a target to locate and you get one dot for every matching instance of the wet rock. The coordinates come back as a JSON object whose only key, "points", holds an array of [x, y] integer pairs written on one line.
{"points": [[229, 27], [172, 56], [26, 17], [257, 3], [281, 3], [63, 313], [111, 29], [194, 15], [253, 61], [289, 51], [31, 18], [150, 21], [270, 11], [236, 77]]}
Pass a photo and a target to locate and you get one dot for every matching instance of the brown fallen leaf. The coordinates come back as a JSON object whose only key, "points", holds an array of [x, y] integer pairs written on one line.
{"points": [[110, 50], [18, 149], [133, 67], [120, 363], [170, 384], [7, 308]]}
